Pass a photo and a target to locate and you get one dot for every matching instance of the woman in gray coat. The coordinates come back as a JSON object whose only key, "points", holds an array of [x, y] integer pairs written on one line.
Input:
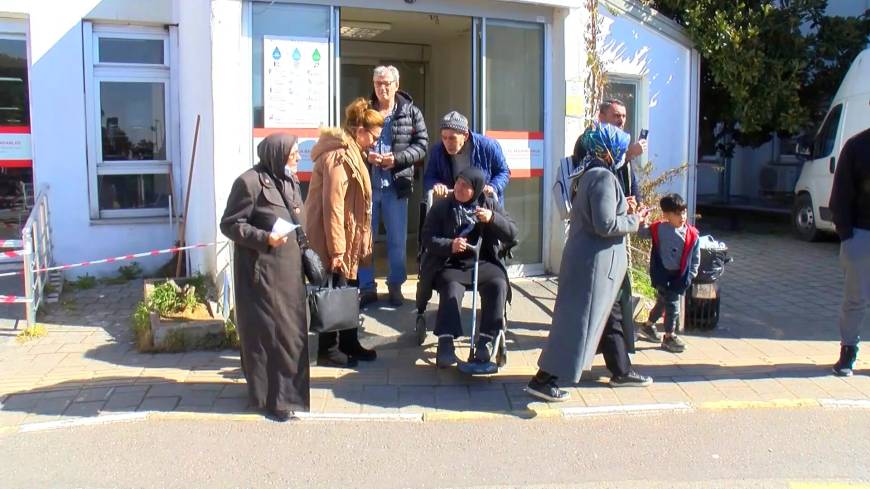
{"points": [[587, 316], [269, 285]]}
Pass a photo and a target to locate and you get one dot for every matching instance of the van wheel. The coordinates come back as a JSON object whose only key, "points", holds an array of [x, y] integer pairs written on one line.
{"points": [[804, 219]]}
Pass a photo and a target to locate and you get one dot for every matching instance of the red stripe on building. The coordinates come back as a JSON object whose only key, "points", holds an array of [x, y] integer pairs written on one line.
{"points": [[515, 134], [16, 163], [526, 173], [14, 129]]}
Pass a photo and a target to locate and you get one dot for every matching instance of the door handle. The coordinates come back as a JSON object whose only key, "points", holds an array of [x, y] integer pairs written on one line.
{"points": [[832, 164]]}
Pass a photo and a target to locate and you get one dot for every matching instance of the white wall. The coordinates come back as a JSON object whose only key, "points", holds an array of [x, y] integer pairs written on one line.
{"points": [[664, 65], [231, 75], [58, 131]]}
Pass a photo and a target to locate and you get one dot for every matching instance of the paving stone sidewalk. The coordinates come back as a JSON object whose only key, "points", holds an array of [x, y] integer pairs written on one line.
{"points": [[776, 341]]}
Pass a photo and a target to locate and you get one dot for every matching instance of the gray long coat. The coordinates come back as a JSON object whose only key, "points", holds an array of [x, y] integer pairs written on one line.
{"points": [[594, 263]]}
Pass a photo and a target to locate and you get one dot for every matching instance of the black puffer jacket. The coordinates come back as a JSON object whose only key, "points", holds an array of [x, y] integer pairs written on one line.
{"points": [[410, 141]]}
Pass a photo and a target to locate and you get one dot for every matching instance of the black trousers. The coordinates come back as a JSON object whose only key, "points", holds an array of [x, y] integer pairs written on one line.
{"points": [[613, 345], [346, 340], [451, 284]]}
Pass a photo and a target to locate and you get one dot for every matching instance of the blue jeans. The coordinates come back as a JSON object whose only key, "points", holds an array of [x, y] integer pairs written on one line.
{"points": [[394, 212], [667, 303], [855, 259]]}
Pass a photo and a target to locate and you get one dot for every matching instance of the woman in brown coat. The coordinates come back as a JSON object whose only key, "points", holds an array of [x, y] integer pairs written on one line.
{"points": [[338, 214], [269, 285]]}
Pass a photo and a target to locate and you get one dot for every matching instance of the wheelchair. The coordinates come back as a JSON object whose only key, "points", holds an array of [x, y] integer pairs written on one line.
{"points": [[499, 353]]}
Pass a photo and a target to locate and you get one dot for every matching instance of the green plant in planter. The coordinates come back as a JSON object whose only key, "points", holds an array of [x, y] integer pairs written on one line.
{"points": [[168, 298]]}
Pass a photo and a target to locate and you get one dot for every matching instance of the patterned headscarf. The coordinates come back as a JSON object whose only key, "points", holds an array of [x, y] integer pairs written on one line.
{"points": [[607, 143]]}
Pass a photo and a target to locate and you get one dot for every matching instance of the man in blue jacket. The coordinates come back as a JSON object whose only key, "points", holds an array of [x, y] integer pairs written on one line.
{"points": [[459, 149]]}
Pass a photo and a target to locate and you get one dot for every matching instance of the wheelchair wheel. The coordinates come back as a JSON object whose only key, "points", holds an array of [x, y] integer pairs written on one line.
{"points": [[420, 329], [501, 356]]}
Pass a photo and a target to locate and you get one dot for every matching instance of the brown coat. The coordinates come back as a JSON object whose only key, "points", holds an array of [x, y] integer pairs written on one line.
{"points": [[338, 209]]}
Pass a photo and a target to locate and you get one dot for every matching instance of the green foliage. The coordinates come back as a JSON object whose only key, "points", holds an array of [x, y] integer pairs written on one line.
{"points": [[131, 271], [142, 327], [84, 282], [232, 335], [114, 280], [168, 298], [760, 70], [641, 284]]}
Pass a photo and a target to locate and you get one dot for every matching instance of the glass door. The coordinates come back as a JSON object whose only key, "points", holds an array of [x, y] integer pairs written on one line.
{"points": [[16, 175], [509, 78], [294, 62]]}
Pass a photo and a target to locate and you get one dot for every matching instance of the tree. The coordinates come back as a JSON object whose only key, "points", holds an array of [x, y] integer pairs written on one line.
{"points": [[768, 65]]}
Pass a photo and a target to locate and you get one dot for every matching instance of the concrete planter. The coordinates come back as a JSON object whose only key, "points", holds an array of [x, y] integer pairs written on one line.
{"points": [[170, 334]]}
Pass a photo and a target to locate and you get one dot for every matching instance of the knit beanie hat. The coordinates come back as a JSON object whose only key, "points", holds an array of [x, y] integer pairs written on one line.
{"points": [[454, 120]]}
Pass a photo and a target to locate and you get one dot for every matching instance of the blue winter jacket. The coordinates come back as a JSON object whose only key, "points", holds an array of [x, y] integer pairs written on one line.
{"points": [[486, 154]]}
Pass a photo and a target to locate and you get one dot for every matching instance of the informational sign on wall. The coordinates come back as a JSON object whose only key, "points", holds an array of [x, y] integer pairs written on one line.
{"points": [[15, 147], [523, 151], [295, 81]]}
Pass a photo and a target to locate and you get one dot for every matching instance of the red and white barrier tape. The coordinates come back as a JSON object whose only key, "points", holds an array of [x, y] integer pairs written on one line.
{"points": [[116, 258], [13, 254], [12, 299], [11, 243]]}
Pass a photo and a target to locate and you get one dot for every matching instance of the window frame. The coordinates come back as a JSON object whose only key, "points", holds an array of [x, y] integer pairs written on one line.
{"points": [[639, 118], [828, 127], [98, 72]]}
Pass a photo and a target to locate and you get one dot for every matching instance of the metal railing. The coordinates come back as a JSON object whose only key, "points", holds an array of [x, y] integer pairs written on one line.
{"points": [[37, 245]]}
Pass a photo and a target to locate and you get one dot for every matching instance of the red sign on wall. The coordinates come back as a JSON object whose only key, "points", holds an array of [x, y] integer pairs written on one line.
{"points": [[15, 147]]}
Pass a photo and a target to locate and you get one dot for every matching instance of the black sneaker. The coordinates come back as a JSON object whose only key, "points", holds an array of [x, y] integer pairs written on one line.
{"points": [[844, 366], [395, 296], [281, 415], [367, 296], [483, 349], [445, 355], [336, 359], [547, 391], [673, 344], [647, 331], [632, 379]]}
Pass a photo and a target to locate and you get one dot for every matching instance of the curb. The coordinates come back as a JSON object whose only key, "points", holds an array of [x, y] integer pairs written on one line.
{"points": [[451, 416]]}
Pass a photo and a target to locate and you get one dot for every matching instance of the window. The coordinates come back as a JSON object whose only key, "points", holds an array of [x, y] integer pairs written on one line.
{"points": [[824, 144], [128, 89], [627, 91]]}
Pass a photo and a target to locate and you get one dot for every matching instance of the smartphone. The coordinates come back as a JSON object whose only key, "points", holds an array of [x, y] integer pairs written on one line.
{"points": [[643, 133]]}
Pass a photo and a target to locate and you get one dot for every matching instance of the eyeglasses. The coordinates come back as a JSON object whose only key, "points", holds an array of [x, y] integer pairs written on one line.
{"points": [[384, 83], [374, 136]]}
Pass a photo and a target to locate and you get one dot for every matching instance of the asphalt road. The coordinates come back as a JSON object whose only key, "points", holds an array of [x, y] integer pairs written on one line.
{"points": [[756, 448]]}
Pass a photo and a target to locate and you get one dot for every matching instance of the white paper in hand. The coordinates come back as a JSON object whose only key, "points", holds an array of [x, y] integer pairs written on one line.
{"points": [[283, 228]]}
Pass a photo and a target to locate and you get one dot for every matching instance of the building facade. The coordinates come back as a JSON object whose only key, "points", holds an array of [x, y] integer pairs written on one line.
{"points": [[116, 86]]}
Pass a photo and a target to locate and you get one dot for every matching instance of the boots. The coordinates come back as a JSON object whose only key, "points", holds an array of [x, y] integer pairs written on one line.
{"points": [[348, 343], [445, 356], [843, 367], [329, 355]]}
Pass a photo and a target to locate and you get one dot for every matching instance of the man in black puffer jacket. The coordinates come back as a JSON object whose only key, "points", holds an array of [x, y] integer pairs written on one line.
{"points": [[403, 144]]}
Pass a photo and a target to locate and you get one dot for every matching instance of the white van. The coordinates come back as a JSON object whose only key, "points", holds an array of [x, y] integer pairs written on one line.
{"points": [[849, 114]]}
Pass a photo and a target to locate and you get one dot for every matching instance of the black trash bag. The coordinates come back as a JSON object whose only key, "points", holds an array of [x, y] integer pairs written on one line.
{"points": [[714, 257]]}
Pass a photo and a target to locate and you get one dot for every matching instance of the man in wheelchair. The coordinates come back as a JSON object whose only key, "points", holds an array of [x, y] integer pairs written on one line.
{"points": [[460, 229]]}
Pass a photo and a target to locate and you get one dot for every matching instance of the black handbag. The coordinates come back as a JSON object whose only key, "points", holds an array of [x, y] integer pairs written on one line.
{"points": [[312, 266], [333, 308]]}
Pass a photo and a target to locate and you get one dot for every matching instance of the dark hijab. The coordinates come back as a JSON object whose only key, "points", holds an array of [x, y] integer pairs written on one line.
{"points": [[273, 153], [474, 176], [464, 212]]}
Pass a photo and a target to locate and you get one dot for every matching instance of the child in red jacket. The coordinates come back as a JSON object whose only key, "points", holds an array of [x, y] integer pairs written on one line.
{"points": [[673, 263]]}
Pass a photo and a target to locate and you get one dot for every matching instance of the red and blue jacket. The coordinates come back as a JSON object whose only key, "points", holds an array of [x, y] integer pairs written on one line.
{"points": [[662, 277]]}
